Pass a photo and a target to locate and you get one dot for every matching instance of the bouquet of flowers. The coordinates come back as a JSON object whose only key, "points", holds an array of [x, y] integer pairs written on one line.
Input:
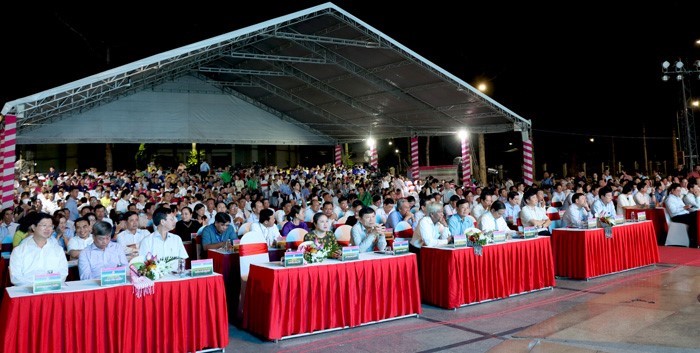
{"points": [[154, 268], [313, 251], [476, 236], [606, 222]]}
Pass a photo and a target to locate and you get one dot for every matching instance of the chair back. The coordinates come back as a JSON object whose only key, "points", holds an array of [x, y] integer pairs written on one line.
{"points": [[341, 221], [403, 230], [245, 228], [252, 250], [553, 214], [342, 235], [295, 237]]}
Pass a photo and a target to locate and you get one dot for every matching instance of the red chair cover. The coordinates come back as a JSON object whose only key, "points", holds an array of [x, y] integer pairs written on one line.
{"points": [[343, 243], [554, 216], [252, 249], [556, 204], [406, 233], [294, 244]]}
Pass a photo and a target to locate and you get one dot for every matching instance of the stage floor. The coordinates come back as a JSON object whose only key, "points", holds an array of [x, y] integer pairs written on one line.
{"points": [[651, 309]]}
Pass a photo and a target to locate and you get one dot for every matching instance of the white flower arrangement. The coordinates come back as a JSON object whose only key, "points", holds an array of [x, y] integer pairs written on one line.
{"points": [[476, 236], [313, 252]]}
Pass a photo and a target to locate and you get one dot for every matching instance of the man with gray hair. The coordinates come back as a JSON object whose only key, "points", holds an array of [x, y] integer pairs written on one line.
{"points": [[430, 230], [402, 213]]}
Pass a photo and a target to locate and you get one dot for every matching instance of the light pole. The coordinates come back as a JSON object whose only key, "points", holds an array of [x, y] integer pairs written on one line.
{"points": [[686, 119]]}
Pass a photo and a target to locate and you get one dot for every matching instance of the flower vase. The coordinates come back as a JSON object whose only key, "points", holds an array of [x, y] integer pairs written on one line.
{"points": [[608, 230], [478, 248]]}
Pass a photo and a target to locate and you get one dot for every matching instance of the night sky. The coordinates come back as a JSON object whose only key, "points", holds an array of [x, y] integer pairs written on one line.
{"points": [[577, 70]]}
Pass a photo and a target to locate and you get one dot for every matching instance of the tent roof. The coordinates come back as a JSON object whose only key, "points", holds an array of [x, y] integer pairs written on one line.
{"points": [[320, 70]]}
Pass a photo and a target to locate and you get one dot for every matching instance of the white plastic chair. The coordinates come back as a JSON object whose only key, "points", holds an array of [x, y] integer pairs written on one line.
{"points": [[677, 232], [343, 234], [246, 261], [403, 230], [554, 215], [295, 237], [245, 228]]}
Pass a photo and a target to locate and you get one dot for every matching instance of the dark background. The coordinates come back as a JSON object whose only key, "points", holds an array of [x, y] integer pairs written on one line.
{"points": [[577, 69]]}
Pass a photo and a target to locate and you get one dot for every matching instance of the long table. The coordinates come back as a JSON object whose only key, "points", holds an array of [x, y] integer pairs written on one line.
{"points": [[73, 272], [227, 263], [657, 216], [587, 253], [452, 277], [282, 302], [183, 315]]}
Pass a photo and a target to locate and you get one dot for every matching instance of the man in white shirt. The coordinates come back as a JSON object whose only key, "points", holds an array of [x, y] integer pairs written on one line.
{"points": [[493, 219], [384, 211], [681, 213], [162, 243], [692, 198], [451, 208], [101, 215], [82, 238], [132, 235], [430, 230], [577, 212], [484, 204], [642, 197], [38, 255], [532, 215], [604, 205], [512, 208], [266, 226], [123, 203]]}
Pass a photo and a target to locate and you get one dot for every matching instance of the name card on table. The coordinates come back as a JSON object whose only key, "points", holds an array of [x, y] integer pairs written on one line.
{"points": [[202, 267], [400, 247], [641, 216], [499, 236], [49, 282], [460, 241], [529, 232], [113, 276], [293, 258], [619, 219], [592, 223], [350, 253]]}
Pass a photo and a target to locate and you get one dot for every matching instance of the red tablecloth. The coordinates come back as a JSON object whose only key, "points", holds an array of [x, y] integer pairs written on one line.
{"points": [[582, 254], [228, 265], [453, 277], [282, 302], [181, 316], [73, 274], [656, 216]]}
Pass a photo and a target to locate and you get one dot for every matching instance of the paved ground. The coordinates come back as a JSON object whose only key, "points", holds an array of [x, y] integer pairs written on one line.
{"points": [[652, 309]]}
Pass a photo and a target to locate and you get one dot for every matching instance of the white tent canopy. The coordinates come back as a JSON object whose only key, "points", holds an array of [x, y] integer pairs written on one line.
{"points": [[314, 77]]}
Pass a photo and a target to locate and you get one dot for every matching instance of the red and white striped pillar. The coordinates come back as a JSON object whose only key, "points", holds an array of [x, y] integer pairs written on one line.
{"points": [[374, 159], [527, 161], [338, 155], [9, 135], [415, 166], [466, 163]]}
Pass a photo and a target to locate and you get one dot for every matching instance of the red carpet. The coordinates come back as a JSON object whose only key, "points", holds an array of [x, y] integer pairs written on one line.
{"points": [[679, 256]]}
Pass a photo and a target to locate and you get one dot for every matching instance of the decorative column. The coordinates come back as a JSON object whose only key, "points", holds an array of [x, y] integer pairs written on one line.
{"points": [[8, 135], [527, 161], [466, 162], [415, 166], [338, 155]]}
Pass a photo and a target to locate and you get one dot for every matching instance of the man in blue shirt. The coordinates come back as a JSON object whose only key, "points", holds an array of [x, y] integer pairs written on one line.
{"points": [[461, 221], [402, 213], [216, 235]]}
